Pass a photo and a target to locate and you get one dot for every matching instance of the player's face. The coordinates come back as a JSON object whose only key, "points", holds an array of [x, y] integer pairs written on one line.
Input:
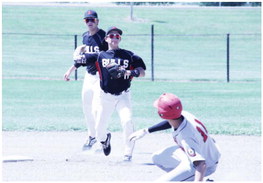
{"points": [[92, 23], [113, 38]]}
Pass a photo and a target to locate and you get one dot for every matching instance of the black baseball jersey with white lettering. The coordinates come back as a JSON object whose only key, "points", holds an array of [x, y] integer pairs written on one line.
{"points": [[122, 57], [95, 44]]}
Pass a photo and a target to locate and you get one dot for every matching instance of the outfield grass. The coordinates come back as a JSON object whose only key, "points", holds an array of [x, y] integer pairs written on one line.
{"points": [[68, 20], [226, 108], [56, 105], [176, 57]]}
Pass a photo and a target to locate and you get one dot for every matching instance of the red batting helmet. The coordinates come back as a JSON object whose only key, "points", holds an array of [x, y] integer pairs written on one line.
{"points": [[169, 106]]}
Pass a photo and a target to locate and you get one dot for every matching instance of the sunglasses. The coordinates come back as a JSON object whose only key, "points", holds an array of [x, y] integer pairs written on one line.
{"points": [[117, 36], [87, 20]]}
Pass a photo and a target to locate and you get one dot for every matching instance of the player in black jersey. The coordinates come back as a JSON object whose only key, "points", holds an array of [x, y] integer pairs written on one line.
{"points": [[114, 91], [93, 42]]}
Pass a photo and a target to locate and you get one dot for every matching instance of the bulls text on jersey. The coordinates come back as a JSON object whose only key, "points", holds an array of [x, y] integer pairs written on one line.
{"points": [[92, 49], [122, 62]]}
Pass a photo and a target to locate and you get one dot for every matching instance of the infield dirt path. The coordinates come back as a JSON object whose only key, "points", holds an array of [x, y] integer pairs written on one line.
{"points": [[241, 158]]}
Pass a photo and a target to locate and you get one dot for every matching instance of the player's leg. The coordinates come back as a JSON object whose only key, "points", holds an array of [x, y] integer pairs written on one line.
{"points": [[95, 101], [174, 161], [125, 113], [167, 158], [210, 170], [87, 100], [106, 107], [183, 172]]}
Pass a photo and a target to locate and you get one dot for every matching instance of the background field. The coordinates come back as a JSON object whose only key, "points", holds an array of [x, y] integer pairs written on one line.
{"points": [[42, 114], [56, 105], [36, 98], [190, 43]]}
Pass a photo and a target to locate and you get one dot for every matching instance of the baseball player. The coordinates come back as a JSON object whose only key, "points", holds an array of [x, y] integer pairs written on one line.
{"points": [[195, 154], [93, 42], [116, 67]]}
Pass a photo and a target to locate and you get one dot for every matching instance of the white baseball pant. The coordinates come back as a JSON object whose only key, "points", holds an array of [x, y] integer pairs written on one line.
{"points": [[107, 104], [90, 89], [174, 161]]}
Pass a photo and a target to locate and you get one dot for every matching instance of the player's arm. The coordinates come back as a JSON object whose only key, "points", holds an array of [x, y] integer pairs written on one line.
{"points": [[139, 67], [200, 169], [79, 51], [137, 72], [69, 71], [194, 153], [81, 57], [84, 59], [164, 125]]}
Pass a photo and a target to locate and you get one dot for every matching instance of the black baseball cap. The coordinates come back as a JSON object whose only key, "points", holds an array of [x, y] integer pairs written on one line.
{"points": [[114, 29], [90, 14]]}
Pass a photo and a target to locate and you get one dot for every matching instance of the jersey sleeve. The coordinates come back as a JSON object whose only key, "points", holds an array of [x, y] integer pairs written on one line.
{"points": [[77, 65], [104, 46], [192, 150], [137, 62], [84, 37], [164, 125], [90, 58]]}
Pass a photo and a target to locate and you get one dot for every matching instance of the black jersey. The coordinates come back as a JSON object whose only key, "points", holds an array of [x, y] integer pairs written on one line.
{"points": [[95, 44], [122, 57]]}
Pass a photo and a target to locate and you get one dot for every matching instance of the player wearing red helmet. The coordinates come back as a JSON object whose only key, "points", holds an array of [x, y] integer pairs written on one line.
{"points": [[169, 106], [195, 154]]}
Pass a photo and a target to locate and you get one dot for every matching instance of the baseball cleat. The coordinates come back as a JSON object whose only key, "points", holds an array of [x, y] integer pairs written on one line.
{"points": [[127, 158], [106, 145], [90, 142]]}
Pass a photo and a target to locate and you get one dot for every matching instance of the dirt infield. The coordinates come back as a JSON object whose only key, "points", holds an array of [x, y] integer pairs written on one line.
{"points": [[241, 158]]}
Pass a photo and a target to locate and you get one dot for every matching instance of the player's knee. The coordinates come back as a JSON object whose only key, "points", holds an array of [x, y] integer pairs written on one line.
{"points": [[158, 161]]}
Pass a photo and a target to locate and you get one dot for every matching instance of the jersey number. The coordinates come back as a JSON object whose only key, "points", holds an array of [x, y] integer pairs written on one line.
{"points": [[202, 132]]}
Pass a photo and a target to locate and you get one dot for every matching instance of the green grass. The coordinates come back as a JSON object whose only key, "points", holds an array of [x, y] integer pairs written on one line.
{"points": [[68, 20], [176, 57], [56, 105], [225, 108]]}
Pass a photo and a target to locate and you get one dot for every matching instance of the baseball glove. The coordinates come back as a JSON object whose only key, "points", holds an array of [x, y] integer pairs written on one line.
{"points": [[116, 71], [138, 134]]}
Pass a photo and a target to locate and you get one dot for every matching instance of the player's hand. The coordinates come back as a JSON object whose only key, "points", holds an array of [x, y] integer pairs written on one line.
{"points": [[138, 134], [69, 71], [66, 76]]}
